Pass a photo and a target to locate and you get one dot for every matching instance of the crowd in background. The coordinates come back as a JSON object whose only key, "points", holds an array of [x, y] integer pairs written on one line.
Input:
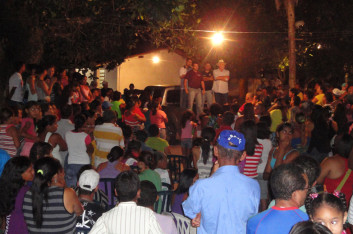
{"points": [[250, 161]]}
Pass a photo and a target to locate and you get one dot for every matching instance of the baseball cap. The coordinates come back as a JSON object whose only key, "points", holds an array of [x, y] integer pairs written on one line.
{"points": [[337, 92], [231, 139], [220, 61], [89, 180]]}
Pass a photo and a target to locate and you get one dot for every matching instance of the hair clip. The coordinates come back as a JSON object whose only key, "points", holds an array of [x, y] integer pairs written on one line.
{"points": [[313, 195], [40, 171], [336, 194]]}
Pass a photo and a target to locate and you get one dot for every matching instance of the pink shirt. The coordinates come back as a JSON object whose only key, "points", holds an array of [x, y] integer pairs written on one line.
{"points": [[159, 118], [187, 131], [31, 129]]}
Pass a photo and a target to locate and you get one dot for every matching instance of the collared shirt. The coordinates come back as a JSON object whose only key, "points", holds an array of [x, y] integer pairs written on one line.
{"points": [[127, 218], [183, 70], [16, 81], [194, 78], [107, 136], [220, 86], [226, 201]]}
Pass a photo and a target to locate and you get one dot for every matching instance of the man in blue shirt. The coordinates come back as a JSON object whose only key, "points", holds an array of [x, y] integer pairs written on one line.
{"points": [[224, 202], [289, 185]]}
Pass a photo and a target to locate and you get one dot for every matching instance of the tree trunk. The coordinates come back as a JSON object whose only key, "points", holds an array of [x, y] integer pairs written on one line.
{"points": [[291, 41]]}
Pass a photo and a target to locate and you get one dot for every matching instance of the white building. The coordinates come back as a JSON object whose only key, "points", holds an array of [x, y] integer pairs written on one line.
{"points": [[157, 67]]}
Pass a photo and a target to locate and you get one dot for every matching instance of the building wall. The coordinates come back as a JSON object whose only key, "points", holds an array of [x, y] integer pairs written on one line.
{"points": [[141, 71]]}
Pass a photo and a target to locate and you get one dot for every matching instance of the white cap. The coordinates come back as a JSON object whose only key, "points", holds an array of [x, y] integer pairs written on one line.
{"points": [[89, 180], [337, 92]]}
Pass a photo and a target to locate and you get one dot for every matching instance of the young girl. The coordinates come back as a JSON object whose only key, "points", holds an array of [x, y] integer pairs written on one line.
{"points": [[9, 135], [187, 129], [32, 112], [161, 168], [328, 209]]}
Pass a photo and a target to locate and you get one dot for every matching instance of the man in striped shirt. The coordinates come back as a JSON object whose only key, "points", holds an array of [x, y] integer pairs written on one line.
{"points": [[107, 136], [127, 217]]}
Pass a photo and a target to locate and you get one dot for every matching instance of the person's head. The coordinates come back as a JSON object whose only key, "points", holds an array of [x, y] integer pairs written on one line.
{"points": [[343, 146], [96, 93], [6, 115], [309, 227], [263, 130], [216, 109], [133, 149], [259, 108], [51, 70], [230, 146], [146, 161], [96, 106], [40, 150], [289, 182], [47, 124], [284, 132], [109, 116], [116, 96], [153, 130], [16, 172], [187, 178], [249, 97], [115, 153], [161, 160], [249, 112], [207, 134], [187, 115], [188, 62], [195, 66], [249, 129], [310, 167], [208, 66], [328, 209], [32, 110], [221, 64], [127, 186], [88, 182], [66, 111], [105, 84], [131, 86], [148, 195], [47, 172], [141, 135], [80, 122], [228, 118]]}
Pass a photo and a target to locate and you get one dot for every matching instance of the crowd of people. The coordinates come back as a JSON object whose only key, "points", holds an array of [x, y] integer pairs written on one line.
{"points": [[280, 162]]}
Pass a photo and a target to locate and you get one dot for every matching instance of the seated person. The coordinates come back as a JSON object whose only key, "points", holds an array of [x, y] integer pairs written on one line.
{"points": [[114, 166], [127, 216], [147, 199], [88, 185], [155, 142]]}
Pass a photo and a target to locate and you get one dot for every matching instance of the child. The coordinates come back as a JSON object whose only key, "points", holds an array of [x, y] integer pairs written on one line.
{"points": [[187, 132], [328, 209], [161, 169], [32, 112], [9, 135]]}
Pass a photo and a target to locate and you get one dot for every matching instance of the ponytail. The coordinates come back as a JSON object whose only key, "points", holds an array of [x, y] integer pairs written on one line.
{"points": [[208, 134]]}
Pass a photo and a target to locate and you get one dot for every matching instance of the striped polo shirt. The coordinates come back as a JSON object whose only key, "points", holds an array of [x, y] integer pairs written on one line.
{"points": [[251, 162], [107, 136], [6, 142], [56, 219]]}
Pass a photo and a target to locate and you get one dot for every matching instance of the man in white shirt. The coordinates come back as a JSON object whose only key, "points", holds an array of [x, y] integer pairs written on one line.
{"points": [[16, 85], [220, 85], [65, 125], [182, 73], [127, 217]]}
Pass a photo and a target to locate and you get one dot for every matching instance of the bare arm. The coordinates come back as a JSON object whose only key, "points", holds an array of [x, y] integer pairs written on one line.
{"points": [[90, 149], [291, 157], [71, 202], [203, 87], [13, 132], [268, 168], [325, 170], [222, 78], [195, 155], [32, 87], [57, 139]]}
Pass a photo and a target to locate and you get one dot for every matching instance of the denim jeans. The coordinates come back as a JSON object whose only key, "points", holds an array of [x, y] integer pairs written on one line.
{"points": [[71, 172], [195, 94], [183, 99], [208, 96]]}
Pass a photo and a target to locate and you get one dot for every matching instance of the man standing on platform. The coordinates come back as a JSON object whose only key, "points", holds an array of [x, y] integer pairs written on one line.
{"points": [[220, 85], [16, 85], [208, 79], [196, 87], [182, 73]]}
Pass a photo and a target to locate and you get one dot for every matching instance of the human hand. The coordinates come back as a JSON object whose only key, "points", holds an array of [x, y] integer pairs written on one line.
{"points": [[195, 222]]}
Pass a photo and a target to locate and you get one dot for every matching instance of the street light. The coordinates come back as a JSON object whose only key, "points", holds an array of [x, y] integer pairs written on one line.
{"points": [[217, 38], [156, 59]]}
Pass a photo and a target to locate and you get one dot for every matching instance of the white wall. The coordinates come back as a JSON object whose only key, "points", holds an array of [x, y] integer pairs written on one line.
{"points": [[143, 72]]}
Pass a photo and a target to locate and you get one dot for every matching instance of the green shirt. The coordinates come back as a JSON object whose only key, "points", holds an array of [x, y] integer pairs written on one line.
{"points": [[116, 107], [155, 178], [157, 143]]}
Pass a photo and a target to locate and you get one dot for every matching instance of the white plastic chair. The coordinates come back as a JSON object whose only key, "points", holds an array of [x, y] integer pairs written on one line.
{"points": [[183, 223]]}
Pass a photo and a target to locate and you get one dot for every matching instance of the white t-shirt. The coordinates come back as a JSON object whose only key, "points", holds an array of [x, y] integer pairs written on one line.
{"points": [[183, 70], [220, 86], [16, 81], [266, 143], [77, 146], [164, 177]]}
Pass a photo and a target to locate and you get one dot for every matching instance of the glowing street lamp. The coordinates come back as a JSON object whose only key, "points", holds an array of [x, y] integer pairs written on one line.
{"points": [[217, 38], [156, 59]]}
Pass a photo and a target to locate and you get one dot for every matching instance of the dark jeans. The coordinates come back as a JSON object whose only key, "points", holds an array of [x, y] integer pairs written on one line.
{"points": [[221, 98]]}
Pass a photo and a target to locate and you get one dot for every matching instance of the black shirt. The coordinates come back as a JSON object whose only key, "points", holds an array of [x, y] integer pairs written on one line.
{"points": [[209, 83]]}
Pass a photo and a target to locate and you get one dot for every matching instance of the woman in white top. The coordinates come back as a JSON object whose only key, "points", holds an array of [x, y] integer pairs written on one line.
{"points": [[80, 149], [31, 87], [203, 155], [47, 127]]}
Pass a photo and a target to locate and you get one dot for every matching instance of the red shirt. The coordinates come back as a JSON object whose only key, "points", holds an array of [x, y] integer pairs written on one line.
{"points": [[251, 162], [194, 79]]}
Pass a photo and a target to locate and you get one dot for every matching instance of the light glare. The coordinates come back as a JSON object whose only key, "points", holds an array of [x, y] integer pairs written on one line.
{"points": [[155, 59], [217, 38]]}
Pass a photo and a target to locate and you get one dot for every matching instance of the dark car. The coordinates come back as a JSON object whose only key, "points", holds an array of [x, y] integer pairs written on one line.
{"points": [[171, 106]]}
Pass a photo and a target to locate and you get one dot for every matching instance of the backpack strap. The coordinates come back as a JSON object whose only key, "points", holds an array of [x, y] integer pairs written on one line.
{"points": [[343, 181]]}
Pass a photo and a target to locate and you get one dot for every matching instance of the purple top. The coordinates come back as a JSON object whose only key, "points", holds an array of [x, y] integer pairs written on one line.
{"points": [[15, 222], [110, 171], [178, 200]]}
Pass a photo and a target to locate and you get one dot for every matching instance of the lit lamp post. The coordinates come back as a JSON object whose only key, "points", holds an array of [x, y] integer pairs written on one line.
{"points": [[217, 38], [156, 59]]}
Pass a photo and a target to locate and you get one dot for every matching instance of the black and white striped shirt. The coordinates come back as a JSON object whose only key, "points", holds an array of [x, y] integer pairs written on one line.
{"points": [[127, 218], [56, 219]]}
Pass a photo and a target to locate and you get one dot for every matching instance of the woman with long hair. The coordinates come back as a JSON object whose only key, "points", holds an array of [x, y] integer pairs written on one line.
{"points": [[48, 206], [17, 172], [47, 127]]}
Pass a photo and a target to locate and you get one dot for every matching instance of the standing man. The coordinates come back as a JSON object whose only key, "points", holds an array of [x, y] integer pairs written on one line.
{"points": [[207, 77], [224, 202], [182, 73], [220, 85], [196, 88], [16, 85]]}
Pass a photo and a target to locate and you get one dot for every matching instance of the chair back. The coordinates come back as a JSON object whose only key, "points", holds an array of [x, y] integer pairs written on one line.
{"points": [[182, 223], [165, 200], [168, 186], [176, 164], [107, 186]]}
